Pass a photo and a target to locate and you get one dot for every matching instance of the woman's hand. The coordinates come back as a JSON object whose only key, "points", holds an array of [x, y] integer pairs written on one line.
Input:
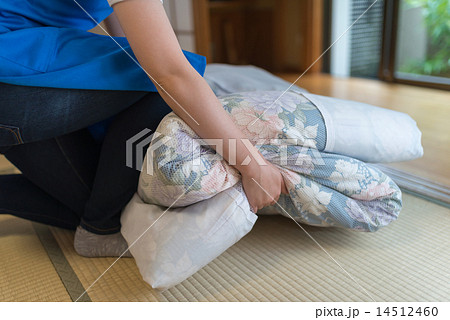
{"points": [[263, 185]]}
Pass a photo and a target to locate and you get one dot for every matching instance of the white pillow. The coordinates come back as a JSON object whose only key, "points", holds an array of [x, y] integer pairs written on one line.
{"points": [[226, 78], [184, 240], [366, 132]]}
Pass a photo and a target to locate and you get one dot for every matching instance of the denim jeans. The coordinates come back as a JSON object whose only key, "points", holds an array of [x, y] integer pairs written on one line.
{"points": [[68, 178]]}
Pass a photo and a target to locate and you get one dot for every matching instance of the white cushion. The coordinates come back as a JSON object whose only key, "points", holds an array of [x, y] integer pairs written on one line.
{"points": [[183, 240], [367, 132]]}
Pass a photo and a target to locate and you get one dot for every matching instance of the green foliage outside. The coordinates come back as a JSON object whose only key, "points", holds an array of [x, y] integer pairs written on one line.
{"points": [[436, 18]]}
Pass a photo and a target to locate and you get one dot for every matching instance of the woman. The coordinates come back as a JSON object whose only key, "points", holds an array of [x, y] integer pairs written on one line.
{"points": [[57, 80]]}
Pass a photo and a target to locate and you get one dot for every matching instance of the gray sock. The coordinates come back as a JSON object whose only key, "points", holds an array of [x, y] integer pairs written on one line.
{"points": [[88, 244]]}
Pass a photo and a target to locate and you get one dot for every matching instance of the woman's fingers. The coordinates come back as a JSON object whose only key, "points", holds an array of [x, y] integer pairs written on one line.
{"points": [[265, 188], [283, 187], [275, 200]]}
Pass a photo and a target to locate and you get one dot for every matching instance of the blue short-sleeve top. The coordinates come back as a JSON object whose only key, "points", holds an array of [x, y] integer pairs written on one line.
{"points": [[45, 43]]}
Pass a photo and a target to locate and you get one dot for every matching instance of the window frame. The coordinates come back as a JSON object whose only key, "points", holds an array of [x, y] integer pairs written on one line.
{"points": [[388, 50]]}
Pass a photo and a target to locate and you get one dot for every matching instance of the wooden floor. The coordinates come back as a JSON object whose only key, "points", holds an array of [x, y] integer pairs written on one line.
{"points": [[430, 108]]}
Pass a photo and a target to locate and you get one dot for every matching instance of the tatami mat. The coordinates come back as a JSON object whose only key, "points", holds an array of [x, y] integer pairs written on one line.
{"points": [[26, 272], [277, 261], [6, 167]]}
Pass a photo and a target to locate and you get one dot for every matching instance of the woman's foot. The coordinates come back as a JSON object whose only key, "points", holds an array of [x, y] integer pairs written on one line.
{"points": [[88, 244]]}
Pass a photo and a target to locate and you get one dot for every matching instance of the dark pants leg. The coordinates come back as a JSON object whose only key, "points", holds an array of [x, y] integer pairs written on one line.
{"points": [[29, 114], [115, 183], [112, 184], [25, 200], [56, 180]]}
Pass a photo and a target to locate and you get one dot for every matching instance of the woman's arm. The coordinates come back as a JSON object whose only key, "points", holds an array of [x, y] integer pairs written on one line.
{"points": [[113, 27], [155, 45]]}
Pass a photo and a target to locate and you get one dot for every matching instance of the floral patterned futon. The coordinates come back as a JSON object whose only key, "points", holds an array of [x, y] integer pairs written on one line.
{"points": [[325, 189]]}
